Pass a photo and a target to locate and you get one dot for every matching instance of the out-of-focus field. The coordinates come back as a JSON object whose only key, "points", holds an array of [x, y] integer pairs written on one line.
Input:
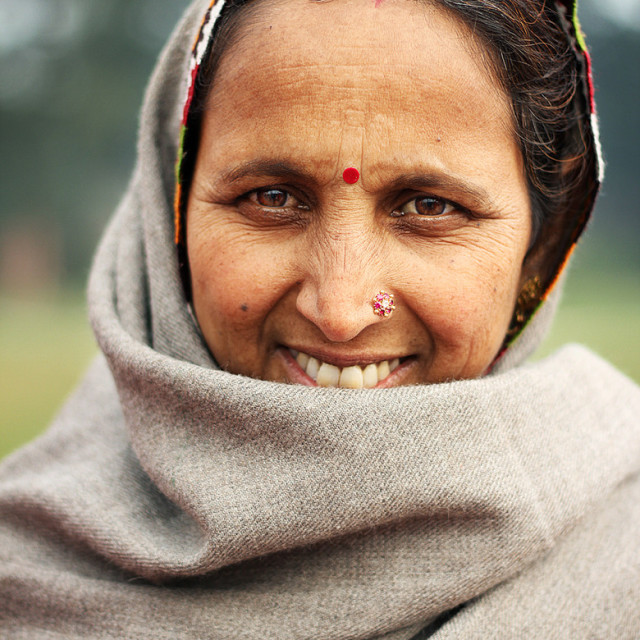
{"points": [[46, 345], [602, 311]]}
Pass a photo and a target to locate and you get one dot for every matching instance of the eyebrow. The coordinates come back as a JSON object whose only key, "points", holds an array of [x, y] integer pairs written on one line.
{"points": [[278, 168], [457, 184], [411, 180]]}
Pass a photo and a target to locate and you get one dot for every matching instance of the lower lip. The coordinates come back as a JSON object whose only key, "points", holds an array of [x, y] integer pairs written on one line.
{"points": [[298, 376]]}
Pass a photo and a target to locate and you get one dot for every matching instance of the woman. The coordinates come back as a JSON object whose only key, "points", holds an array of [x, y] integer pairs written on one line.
{"points": [[370, 194]]}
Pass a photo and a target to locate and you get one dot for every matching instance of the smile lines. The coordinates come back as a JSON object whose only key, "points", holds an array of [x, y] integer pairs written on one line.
{"points": [[354, 377]]}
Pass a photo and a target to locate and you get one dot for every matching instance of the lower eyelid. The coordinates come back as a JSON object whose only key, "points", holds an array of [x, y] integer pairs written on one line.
{"points": [[278, 216]]}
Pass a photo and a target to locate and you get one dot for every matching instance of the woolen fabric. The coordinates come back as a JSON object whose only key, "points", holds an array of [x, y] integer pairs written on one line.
{"points": [[171, 499]]}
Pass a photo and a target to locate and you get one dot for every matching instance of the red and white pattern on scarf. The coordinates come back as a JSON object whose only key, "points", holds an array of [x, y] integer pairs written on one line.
{"points": [[198, 52]]}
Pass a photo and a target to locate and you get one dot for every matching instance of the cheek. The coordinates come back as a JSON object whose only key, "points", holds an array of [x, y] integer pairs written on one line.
{"points": [[465, 300], [484, 304], [461, 302], [223, 276], [236, 283]]}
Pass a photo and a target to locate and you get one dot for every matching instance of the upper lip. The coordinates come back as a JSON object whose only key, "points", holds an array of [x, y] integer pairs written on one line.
{"points": [[344, 360]]}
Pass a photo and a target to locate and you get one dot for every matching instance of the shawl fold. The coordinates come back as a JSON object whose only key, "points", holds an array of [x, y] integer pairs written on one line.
{"points": [[171, 499]]}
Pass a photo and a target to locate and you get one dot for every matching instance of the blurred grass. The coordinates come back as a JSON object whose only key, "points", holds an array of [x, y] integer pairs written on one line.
{"points": [[601, 309], [46, 345]]}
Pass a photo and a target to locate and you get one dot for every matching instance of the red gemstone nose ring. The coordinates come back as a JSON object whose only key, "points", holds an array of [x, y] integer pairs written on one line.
{"points": [[351, 175], [383, 304]]}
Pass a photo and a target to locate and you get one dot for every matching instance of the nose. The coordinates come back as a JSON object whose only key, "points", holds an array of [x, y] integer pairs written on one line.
{"points": [[337, 292]]}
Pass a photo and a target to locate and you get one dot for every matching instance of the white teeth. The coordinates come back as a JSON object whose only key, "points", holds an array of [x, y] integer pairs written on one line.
{"points": [[312, 368], [354, 377], [370, 375], [328, 375], [303, 360], [383, 369]]}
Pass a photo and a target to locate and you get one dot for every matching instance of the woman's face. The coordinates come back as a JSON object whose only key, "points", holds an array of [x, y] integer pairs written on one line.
{"points": [[285, 256]]}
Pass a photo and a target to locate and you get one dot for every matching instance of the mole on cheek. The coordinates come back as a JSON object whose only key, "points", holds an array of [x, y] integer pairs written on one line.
{"points": [[244, 307]]}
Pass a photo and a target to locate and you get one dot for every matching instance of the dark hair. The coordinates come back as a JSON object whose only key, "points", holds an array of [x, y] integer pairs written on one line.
{"points": [[536, 59], [534, 56]]}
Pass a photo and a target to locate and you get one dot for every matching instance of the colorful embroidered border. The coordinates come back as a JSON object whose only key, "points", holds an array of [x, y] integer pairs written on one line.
{"points": [[198, 52], [583, 51]]}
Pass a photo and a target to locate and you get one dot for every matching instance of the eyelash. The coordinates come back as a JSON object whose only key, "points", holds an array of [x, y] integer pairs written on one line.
{"points": [[253, 196], [449, 207], [399, 212]]}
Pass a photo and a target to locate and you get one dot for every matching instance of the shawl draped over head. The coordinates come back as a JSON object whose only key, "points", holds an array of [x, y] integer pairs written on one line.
{"points": [[171, 499]]}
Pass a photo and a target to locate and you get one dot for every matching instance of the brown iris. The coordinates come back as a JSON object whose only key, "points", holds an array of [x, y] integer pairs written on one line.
{"points": [[430, 206], [271, 197]]}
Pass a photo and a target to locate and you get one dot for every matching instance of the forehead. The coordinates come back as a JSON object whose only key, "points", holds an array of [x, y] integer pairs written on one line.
{"points": [[426, 40], [400, 69]]}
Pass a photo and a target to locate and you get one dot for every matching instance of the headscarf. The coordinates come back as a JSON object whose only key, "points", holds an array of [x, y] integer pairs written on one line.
{"points": [[171, 499]]}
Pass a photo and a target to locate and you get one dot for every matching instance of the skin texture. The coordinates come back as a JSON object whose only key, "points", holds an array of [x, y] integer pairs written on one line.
{"points": [[405, 94]]}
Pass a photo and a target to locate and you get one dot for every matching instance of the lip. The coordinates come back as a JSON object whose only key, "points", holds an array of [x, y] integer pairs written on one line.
{"points": [[342, 360], [298, 376]]}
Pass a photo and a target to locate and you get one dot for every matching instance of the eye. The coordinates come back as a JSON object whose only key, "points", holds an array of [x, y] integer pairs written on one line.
{"points": [[275, 198], [274, 205], [271, 197], [425, 206]]}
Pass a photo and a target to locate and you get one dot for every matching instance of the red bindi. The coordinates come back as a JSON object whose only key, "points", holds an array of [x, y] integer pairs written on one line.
{"points": [[351, 175]]}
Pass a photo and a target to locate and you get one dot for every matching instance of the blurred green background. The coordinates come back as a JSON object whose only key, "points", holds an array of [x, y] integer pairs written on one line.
{"points": [[72, 74]]}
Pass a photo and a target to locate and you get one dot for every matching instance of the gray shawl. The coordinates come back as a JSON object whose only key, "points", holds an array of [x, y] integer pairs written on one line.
{"points": [[170, 499]]}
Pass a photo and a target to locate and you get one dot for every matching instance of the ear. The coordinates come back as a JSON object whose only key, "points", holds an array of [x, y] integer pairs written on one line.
{"points": [[540, 268]]}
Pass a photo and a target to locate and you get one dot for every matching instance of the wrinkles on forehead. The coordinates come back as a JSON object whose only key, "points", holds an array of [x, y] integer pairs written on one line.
{"points": [[320, 99], [252, 41], [292, 75], [318, 36]]}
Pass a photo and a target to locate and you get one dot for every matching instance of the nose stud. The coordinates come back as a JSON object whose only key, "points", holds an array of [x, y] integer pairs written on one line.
{"points": [[383, 304]]}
